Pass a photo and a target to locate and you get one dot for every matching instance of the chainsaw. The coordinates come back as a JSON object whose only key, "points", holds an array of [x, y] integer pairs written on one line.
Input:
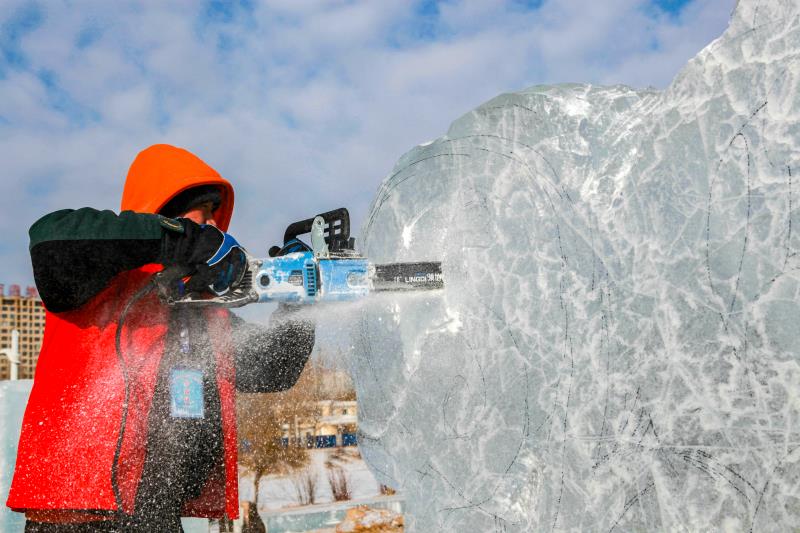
{"points": [[327, 270]]}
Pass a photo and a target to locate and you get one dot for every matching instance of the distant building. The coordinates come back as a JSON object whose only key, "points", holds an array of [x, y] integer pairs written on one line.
{"points": [[25, 313], [335, 425]]}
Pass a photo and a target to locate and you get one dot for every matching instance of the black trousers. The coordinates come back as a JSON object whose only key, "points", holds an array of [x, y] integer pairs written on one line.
{"points": [[85, 527], [128, 525]]}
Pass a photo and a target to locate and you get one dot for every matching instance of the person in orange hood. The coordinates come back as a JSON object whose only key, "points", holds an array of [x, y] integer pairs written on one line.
{"points": [[131, 422]]}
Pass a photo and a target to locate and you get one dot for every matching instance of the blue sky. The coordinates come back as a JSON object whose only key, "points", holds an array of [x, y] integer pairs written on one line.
{"points": [[305, 105]]}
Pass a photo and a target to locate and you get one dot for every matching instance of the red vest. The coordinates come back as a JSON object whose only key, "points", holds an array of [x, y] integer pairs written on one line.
{"points": [[72, 420]]}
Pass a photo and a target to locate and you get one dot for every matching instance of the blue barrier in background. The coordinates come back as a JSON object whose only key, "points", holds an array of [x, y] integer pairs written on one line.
{"points": [[325, 441]]}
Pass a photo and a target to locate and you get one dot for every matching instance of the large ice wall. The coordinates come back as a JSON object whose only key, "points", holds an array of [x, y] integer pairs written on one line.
{"points": [[618, 342]]}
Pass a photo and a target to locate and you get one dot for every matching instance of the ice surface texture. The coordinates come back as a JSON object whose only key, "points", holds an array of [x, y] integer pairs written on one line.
{"points": [[617, 346]]}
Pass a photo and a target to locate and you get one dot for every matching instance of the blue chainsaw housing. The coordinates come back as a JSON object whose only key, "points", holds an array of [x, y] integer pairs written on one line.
{"points": [[301, 277]]}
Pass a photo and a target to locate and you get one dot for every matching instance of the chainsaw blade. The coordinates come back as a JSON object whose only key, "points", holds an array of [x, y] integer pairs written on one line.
{"points": [[407, 276]]}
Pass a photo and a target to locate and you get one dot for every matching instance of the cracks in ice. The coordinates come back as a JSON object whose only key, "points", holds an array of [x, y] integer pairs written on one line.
{"points": [[763, 490], [738, 135], [755, 14], [616, 440], [748, 185], [390, 185], [789, 222], [607, 346], [367, 341], [568, 344], [747, 222], [525, 434], [447, 397], [363, 437], [367, 344], [706, 463], [630, 504], [568, 349], [520, 143], [504, 107], [647, 349]]}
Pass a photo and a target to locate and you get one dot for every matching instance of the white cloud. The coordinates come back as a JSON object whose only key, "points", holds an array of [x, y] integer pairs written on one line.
{"points": [[304, 105]]}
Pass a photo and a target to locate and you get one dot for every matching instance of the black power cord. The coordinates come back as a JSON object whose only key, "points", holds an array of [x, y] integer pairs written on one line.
{"points": [[165, 281], [141, 293]]}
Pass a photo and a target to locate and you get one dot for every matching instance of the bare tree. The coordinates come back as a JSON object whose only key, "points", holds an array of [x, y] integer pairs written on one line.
{"points": [[305, 485], [261, 420], [340, 483]]}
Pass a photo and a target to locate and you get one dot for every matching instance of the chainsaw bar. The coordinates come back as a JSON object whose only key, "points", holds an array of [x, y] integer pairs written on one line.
{"points": [[407, 276]]}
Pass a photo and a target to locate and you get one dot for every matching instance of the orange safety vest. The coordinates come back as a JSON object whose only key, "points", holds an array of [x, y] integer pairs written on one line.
{"points": [[73, 418]]}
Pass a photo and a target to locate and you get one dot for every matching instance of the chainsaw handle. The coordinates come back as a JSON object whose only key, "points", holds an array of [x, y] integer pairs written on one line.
{"points": [[335, 233]]}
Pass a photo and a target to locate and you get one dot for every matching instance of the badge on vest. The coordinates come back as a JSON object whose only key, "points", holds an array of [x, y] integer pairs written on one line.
{"points": [[186, 393]]}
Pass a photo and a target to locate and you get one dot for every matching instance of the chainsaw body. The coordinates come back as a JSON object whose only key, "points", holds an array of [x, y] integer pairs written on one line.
{"points": [[329, 270], [301, 277]]}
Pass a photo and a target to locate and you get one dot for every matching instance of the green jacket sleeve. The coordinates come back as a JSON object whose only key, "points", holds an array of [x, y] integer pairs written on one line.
{"points": [[76, 252]]}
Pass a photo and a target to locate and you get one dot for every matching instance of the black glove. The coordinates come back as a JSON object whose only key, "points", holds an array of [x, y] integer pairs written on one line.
{"points": [[192, 246], [213, 261]]}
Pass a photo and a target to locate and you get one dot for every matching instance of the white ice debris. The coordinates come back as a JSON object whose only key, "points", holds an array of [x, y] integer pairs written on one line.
{"points": [[623, 269], [407, 235]]}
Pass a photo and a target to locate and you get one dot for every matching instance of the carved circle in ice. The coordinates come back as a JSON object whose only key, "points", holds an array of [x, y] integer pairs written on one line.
{"points": [[617, 345]]}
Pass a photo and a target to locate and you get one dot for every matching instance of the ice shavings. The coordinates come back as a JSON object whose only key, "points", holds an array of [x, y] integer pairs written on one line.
{"points": [[407, 235], [616, 347]]}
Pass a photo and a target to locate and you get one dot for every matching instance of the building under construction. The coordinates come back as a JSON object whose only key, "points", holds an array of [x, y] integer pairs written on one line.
{"points": [[25, 313]]}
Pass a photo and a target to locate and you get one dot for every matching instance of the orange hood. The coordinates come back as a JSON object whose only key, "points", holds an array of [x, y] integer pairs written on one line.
{"points": [[161, 172]]}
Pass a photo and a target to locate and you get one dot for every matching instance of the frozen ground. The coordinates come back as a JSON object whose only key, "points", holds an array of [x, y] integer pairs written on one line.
{"points": [[617, 344], [278, 492]]}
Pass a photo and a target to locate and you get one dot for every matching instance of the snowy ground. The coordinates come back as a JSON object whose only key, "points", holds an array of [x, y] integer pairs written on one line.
{"points": [[278, 492], [281, 511]]}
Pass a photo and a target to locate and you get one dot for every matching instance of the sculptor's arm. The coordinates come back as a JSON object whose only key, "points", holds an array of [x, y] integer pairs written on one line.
{"points": [[76, 252], [270, 359]]}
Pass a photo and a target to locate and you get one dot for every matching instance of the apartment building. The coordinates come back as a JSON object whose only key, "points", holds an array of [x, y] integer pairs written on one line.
{"points": [[335, 424], [25, 313]]}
